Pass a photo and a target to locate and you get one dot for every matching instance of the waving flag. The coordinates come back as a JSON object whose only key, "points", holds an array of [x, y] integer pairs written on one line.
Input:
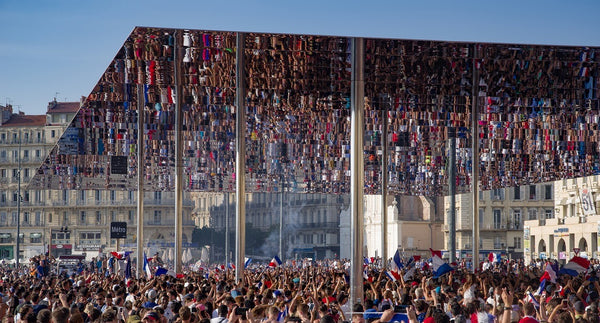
{"points": [[121, 254], [494, 257], [397, 262], [127, 270], [275, 262], [247, 262], [541, 288], [549, 274], [147, 267], [575, 266], [230, 265], [440, 267], [394, 276], [409, 274]]}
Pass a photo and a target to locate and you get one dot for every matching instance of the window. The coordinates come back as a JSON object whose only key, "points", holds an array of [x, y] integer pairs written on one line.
{"points": [[3, 172], [113, 216], [481, 195], [112, 195], [26, 218], [497, 219], [3, 218], [548, 192], [65, 218], [26, 172], [517, 219], [98, 195], [157, 216], [82, 217], [25, 154], [532, 195], [549, 213], [130, 216], [52, 133], [517, 193], [517, 243], [26, 196], [498, 194], [50, 218], [98, 217], [532, 214], [82, 196], [38, 153], [35, 237], [481, 213], [3, 197], [65, 196], [157, 196]]}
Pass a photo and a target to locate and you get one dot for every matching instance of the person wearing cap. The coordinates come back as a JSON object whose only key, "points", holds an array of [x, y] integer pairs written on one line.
{"points": [[151, 296], [151, 317]]}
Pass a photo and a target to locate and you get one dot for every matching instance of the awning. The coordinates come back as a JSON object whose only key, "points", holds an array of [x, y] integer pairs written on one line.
{"points": [[5, 235], [35, 235]]}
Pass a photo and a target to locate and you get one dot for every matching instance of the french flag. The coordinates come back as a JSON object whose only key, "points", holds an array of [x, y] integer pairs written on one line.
{"points": [[532, 299], [494, 257], [541, 288], [230, 265], [549, 274], [575, 266], [147, 267], [247, 262], [397, 261], [275, 262], [121, 254], [440, 267], [394, 276]]}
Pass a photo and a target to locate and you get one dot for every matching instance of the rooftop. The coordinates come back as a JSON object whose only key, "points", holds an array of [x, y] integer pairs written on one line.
{"points": [[23, 120], [63, 107]]}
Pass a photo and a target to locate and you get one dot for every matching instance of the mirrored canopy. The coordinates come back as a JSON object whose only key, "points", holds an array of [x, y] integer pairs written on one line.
{"points": [[537, 105]]}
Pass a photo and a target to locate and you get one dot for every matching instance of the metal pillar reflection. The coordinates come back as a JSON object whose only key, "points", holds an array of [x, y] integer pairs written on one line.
{"points": [[452, 192], [384, 181], [357, 171], [475, 158], [178, 158], [240, 158], [140, 178]]}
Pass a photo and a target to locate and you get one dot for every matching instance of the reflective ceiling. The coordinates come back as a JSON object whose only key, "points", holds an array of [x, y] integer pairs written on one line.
{"points": [[538, 114]]}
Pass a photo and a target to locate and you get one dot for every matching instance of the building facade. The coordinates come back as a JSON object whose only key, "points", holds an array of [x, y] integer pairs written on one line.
{"points": [[66, 222], [413, 226], [502, 214], [571, 227], [311, 222]]}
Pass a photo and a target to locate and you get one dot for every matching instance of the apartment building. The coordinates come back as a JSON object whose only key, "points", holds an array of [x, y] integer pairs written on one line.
{"points": [[68, 222], [571, 226], [502, 213]]}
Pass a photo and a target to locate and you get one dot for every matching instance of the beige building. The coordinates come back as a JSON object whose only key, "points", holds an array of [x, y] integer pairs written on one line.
{"points": [[570, 226], [70, 221], [413, 226], [502, 213]]}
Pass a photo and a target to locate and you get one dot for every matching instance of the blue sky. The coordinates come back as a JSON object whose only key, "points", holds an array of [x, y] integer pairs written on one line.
{"points": [[65, 45]]}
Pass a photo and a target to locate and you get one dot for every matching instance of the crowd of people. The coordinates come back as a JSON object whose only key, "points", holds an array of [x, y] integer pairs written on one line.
{"points": [[301, 291]]}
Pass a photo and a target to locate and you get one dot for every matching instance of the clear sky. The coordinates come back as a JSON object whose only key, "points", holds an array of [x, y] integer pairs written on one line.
{"points": [[61, 47]]}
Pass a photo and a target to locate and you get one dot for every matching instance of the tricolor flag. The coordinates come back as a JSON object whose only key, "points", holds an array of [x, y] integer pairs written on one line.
{"points": [[440, 267], [230, 265], [494, 257], [120, 255], [397, 261], [541, 288], [147, 267], [394, 276], [532, 299], [127, 271], [575, 266], [549, 274], [275, 262], [247, 262], [409, 274]]}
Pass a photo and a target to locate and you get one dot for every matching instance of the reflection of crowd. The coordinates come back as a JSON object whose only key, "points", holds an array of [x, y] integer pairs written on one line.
{"points": [[537, 104], [304, 291]]}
